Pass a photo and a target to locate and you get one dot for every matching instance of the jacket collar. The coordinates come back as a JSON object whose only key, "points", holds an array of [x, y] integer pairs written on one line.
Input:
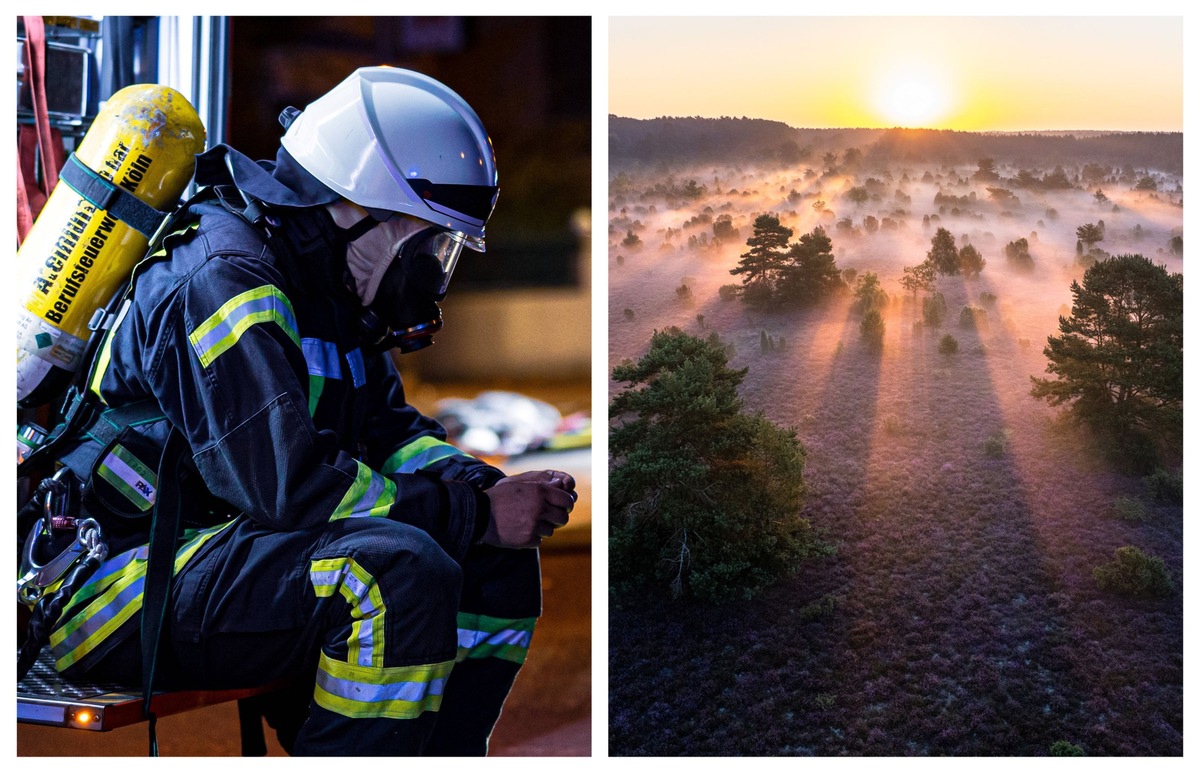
{"points": [[280, 183]]}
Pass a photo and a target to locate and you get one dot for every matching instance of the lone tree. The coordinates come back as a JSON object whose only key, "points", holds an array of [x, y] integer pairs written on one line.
{"points": [[869, 294], [919, 278], [705, 498], [760, 266], [1119, 360], [970, 261], [943, 254], [987, 170], [1090, 234]]}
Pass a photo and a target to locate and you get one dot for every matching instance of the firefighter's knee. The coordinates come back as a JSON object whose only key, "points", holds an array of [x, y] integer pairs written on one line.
{"points": [[396, 589]]}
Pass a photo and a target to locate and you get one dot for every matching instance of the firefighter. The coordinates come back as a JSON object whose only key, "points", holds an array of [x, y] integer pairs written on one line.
{"points": [[331, 537]]}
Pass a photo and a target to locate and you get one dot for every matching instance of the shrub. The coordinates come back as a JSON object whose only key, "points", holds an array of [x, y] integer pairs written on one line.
{"points": [[620, 259], [1165, 485], [1064, 748], [869, 293], [948, 344], [891, 424], [683, 293], [997, 443], [729, 291], [1133, 572], [933, 309], [872, 328], [1129, 509], [700, 320], [973, 317], [628, 314], [987, 298], [818, 609]]}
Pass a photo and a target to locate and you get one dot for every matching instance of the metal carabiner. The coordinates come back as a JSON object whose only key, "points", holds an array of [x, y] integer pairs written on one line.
{"points": [[35, 579]]}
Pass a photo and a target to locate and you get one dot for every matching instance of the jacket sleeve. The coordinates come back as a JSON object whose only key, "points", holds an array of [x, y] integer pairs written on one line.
{"points": [[401, 439], [223, 356]]}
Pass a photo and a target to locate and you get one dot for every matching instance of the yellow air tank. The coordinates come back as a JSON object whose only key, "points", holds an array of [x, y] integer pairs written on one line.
{"points": [[78, 255]]}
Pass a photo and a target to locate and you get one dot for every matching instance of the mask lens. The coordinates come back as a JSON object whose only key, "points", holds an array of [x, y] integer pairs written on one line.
{"points": [[445, 247]]}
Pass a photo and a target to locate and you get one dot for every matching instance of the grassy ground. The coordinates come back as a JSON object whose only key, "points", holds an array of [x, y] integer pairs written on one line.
{"points": [[960, 614]]}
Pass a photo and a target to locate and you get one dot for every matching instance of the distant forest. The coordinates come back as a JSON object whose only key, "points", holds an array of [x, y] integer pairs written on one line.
{"points": [[752, 140]]}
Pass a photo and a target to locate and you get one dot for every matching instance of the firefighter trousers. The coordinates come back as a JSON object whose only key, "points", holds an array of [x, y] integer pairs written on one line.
{"points": [[383, 644]]}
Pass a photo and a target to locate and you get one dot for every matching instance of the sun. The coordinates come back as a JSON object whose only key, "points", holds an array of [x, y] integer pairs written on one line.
{"points": [[912, 96]]}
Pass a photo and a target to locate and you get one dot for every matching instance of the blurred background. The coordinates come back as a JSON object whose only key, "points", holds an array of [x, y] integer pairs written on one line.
{"points": [[517, 319]]}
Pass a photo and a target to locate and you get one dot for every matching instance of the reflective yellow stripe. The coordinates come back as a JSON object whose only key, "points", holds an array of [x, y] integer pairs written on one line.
{"points": [[371, 692], [370, 495], [105, 357], [419, 454], [365, 645], [221, 331]]}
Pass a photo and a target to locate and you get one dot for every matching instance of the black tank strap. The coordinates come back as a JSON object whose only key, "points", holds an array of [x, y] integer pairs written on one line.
{"points": [[117, 201]]}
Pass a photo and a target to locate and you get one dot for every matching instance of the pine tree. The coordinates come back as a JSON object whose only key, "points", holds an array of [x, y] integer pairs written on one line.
{"points": [[760, 266], [1118, 363], [705, 498], [943, 254]]}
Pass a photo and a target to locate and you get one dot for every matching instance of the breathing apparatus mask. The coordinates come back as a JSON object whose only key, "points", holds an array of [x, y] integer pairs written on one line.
{"points": [[400, 268]]}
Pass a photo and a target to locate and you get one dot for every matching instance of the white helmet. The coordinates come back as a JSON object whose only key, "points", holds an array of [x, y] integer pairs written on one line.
{"points": [[393, 140]]}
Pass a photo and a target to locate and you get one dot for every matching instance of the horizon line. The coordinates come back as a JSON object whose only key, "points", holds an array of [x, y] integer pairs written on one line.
{"points": [[894, 128]]}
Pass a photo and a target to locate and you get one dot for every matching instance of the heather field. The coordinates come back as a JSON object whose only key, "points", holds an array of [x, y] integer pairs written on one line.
{"points": [[959, 615]]}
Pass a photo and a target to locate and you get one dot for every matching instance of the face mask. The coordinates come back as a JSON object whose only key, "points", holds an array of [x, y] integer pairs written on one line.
{"points": [[400, 268]]}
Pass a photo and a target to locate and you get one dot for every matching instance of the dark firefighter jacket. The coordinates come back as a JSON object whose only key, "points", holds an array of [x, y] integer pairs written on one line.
{"points": [[254, 357]]}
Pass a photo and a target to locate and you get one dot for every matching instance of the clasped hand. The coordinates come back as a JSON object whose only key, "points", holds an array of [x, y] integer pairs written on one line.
{"points": [[527, 507]]}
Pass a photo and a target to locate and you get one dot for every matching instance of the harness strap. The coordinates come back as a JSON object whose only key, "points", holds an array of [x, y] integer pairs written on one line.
{"points": [[111, 422], [160, 568], [117, 201]]}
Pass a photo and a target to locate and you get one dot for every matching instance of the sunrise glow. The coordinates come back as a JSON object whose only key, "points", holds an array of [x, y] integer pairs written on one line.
{"points": [[913, 97], [962, 73]]}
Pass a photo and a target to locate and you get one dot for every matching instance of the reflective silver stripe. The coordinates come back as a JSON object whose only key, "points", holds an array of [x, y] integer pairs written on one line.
{"points": [[405, 691], [322, 358], [327, 579], [370, 495], [343, 576], [469, 639], [363, 631], [140, 485], [427, 457], [120, 607]]}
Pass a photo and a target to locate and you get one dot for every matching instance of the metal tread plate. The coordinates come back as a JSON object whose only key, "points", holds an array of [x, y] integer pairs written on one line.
{"points": [[44, 697]]}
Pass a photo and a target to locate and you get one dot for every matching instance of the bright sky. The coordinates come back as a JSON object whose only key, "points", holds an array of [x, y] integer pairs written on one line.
{"points": [[965, 73]]}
